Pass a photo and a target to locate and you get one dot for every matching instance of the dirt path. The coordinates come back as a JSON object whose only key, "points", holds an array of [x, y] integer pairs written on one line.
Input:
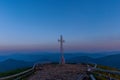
{"points": [[58, 72]]}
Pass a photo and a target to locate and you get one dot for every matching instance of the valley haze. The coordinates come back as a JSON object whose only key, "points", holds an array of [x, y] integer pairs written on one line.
{"points": [[22, 60]]}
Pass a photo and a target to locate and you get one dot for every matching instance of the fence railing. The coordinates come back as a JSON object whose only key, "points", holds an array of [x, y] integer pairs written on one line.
{"points": [[92, 77], [108, 71], [18, 76]]}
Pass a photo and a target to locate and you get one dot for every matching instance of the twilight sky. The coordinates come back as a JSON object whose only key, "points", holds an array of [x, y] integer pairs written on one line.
{"points": [[87, 25]]}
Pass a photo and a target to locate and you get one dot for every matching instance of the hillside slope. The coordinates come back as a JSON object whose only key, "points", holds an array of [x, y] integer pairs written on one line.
{"points": [[11, 64]]}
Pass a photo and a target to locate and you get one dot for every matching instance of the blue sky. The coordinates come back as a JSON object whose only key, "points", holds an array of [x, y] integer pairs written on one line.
{"points": [[87, 25]]}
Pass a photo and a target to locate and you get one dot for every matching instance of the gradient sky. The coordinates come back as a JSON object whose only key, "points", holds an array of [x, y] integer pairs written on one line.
{"points": [[87, 25]]}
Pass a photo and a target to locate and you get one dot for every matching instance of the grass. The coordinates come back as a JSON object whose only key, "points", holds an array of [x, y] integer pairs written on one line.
{"points": [[105, 74], [8, 73], [107, 68], [99, 77]]}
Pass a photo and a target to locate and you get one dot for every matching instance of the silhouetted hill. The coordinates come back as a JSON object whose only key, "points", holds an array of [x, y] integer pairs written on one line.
{"points": [[11, 64], [16, 61], [34, 56], [112, 60], [80, 59]]}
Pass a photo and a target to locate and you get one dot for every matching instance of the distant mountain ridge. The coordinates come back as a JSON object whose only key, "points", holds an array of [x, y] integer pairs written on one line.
{"points": [[80, 59], [11, 64], [33, 56], [25, 60], [111, 60]]}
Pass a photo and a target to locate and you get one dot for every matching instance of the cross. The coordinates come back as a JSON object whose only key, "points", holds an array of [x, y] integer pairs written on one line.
{"points": [[61, 49]]}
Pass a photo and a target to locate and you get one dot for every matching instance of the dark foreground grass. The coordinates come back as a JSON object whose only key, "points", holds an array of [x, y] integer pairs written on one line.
{"points": [[8, 73]]}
